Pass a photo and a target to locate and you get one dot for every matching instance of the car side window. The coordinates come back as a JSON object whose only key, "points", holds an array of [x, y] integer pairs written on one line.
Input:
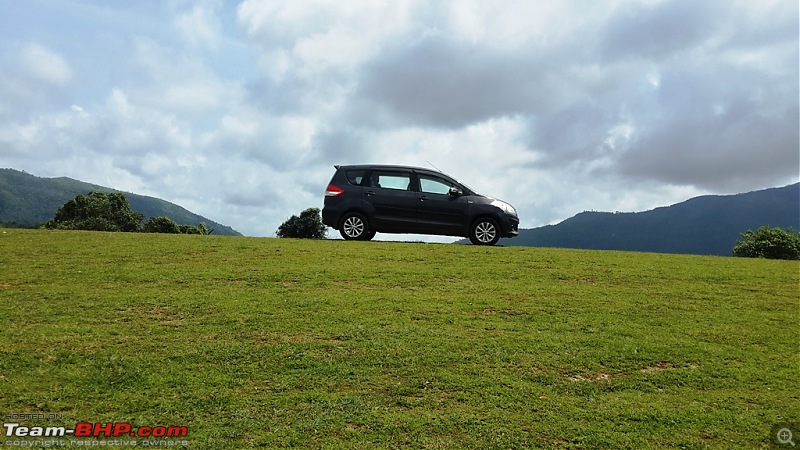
{"points": [[355, 176], [434, 185], [391, 180]]}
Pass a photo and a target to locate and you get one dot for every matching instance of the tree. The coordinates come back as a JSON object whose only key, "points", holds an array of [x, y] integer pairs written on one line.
{"points": [[770, 243], [97, 211], [308, 226]]}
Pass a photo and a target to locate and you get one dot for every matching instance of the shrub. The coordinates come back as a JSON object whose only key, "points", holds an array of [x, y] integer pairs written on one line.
{"points": [[770, 243], [199, 229], [166, 225], [161, 224]]}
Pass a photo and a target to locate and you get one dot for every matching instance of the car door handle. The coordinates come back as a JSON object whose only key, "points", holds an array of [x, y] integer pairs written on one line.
{"points": [[369, 193], [422, 198]]}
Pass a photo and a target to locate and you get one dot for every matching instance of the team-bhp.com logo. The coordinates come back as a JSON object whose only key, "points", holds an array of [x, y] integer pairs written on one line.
{"points": [[86, 429]]}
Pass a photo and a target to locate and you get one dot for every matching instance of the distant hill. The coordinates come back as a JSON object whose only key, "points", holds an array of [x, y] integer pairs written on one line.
{"points": [[707, 225], [29, 201]]}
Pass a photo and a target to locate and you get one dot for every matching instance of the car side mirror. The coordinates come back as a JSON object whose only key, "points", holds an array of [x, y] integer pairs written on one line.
{"points": [[455, 192]]}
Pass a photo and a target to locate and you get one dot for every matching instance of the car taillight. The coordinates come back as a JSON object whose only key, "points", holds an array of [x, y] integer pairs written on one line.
{"points": [[333, 191]]}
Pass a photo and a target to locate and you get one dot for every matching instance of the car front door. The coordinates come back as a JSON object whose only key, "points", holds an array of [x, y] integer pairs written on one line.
{"points": [[438, 212], [390, 200]]}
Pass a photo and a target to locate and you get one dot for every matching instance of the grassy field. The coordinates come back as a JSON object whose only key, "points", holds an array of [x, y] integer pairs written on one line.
{"points": [[255, 342]]}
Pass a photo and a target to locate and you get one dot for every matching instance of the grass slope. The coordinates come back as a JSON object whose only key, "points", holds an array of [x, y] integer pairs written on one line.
{"points": [[283, 343]]}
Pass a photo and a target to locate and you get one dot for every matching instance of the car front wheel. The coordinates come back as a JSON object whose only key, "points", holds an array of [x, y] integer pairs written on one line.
{"points": [[354, 227], [484, 231]]}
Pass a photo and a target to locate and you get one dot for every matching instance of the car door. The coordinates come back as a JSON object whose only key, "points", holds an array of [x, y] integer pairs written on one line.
{"points": [[390, 201], [438, 212]]}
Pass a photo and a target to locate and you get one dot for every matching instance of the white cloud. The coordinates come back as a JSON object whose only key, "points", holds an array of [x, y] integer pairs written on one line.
{"points": [[200, 25], [308, 37], [45, 65]]}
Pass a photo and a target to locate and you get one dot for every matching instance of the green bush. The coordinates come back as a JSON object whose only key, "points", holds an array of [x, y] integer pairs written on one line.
{"points": [[770, 243], [164, 224], [199, 229], [161, 224]]}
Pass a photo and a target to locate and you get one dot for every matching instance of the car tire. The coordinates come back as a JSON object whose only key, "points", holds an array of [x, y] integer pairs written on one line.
{"points": [[354, 227], [484, 231]]}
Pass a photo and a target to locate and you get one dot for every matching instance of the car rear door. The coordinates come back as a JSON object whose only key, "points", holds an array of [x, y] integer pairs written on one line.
{"points": [[389, 200]]}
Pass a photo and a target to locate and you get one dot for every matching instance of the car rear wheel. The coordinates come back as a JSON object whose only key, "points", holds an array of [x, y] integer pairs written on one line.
{"points": [[354, 227], [484, 231]]}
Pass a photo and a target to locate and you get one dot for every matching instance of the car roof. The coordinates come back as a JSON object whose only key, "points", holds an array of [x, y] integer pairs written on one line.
{"points": [[413, 168], [386, 166]]}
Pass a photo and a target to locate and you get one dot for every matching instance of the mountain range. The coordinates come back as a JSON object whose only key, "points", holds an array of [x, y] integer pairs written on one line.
{"points": [[29, 201], [706, 225]]}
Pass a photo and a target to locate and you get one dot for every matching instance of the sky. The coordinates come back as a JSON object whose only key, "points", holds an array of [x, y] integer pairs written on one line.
{"points": [[238, 110]]}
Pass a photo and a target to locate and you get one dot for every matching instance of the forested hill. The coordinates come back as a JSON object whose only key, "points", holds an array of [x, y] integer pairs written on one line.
{"points": [[707, 225], [27, 200]]}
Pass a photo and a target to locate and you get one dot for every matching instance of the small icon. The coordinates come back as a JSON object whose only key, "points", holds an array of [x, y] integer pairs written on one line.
{"points": [[785, 436]]}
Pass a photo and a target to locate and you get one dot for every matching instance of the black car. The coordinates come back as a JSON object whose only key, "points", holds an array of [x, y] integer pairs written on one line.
{"points": [[365, 199]]}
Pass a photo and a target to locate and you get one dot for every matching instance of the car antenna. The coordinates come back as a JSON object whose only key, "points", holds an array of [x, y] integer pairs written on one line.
{"points": [[440, 170]]}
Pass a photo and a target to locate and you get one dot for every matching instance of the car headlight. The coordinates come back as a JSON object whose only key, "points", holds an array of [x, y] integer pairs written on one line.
{"points": [[508, 209]]}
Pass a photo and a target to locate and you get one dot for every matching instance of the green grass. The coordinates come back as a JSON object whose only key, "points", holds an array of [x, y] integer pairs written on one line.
{"points": [[254, 342]]}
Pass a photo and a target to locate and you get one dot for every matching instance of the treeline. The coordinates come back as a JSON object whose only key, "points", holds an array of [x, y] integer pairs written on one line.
{"points": [[99, 211]]}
